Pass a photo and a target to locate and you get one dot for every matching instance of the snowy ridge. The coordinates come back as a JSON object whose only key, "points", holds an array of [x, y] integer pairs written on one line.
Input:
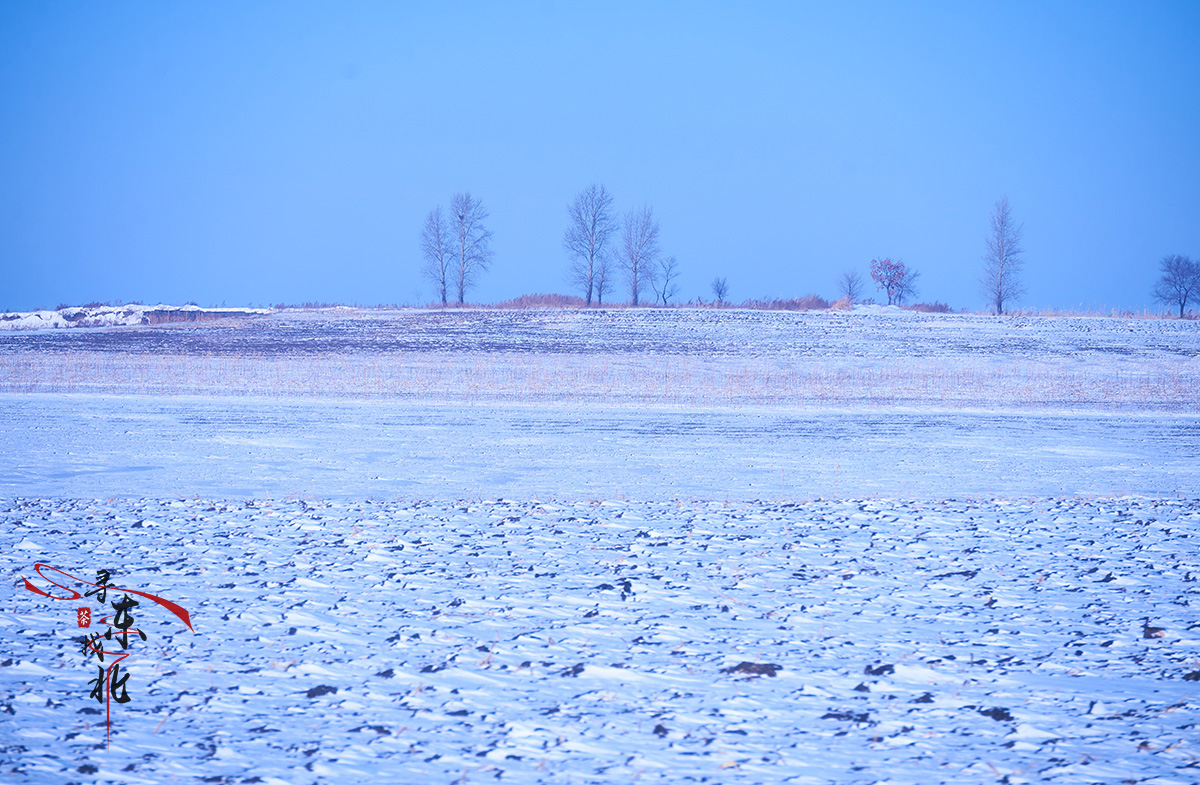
{"points": [[117, 316], [531, 642]]}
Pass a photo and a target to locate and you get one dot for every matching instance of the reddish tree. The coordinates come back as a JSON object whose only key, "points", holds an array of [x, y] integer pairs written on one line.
{"points": [[893, 278]]}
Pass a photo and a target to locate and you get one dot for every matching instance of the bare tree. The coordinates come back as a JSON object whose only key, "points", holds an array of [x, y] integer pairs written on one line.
{"points": [[665, 279], [1180, 282], [639, 249], [1001, 279], [894, 279], [850, 284], [472, 241], [720, 290], [435, 248], [590, 224]]}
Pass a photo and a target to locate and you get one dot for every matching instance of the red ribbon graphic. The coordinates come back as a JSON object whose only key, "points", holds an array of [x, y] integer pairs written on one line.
{"points": [[172, 607]]}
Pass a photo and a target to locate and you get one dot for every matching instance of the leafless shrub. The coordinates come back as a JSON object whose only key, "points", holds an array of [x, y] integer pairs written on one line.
{"points": [[851, 286], [665, 280], [720, 289]]}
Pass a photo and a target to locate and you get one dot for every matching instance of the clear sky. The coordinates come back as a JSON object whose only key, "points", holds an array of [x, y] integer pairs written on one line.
{"points": [[264, 152]]}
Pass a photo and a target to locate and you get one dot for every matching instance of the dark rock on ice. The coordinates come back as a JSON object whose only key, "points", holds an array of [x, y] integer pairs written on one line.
{"points": [[321, 689], [997, 713], [754, 668]]}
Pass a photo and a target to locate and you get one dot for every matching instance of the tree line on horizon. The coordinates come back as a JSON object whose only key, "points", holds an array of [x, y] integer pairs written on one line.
{"points": [[602, 246]]}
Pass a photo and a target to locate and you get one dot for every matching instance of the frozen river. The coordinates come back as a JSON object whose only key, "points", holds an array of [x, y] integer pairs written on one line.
{"points": [[588, 547], [101, 446]]}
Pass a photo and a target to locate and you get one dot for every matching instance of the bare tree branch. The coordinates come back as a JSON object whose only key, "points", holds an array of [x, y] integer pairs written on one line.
{"points": [[590, 225], [1002, 263], [435, 249], [472, 241], [639, 246]]}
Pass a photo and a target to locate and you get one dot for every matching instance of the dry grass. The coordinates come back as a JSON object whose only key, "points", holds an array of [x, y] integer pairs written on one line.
{"points": [[809, 302], [633, 379], [933, 307], [543, 301], [1109, 313]]}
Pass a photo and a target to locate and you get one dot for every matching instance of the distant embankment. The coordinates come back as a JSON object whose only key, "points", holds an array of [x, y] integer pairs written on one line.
{"points": [[165, 315], [118, 316]]}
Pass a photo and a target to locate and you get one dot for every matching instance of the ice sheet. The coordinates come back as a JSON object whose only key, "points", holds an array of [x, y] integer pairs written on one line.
{"points": [[101, 446], [522, 642]]}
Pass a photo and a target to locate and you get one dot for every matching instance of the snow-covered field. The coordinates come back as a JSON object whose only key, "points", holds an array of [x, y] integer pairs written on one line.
{"points": [[646, 357], [609, 546]]}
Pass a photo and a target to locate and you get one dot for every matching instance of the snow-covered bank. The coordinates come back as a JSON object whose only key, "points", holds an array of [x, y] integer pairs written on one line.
{"points": [[949, 642], [118, 316], [84, 445]]}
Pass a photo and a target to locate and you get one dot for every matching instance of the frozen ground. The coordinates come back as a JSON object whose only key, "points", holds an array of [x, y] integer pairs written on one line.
{"points": [[527, 546], [520, 642], [645, 357]]}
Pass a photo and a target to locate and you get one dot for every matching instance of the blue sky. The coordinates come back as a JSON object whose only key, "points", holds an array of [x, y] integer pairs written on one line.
{"points": [[259, 152]]}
